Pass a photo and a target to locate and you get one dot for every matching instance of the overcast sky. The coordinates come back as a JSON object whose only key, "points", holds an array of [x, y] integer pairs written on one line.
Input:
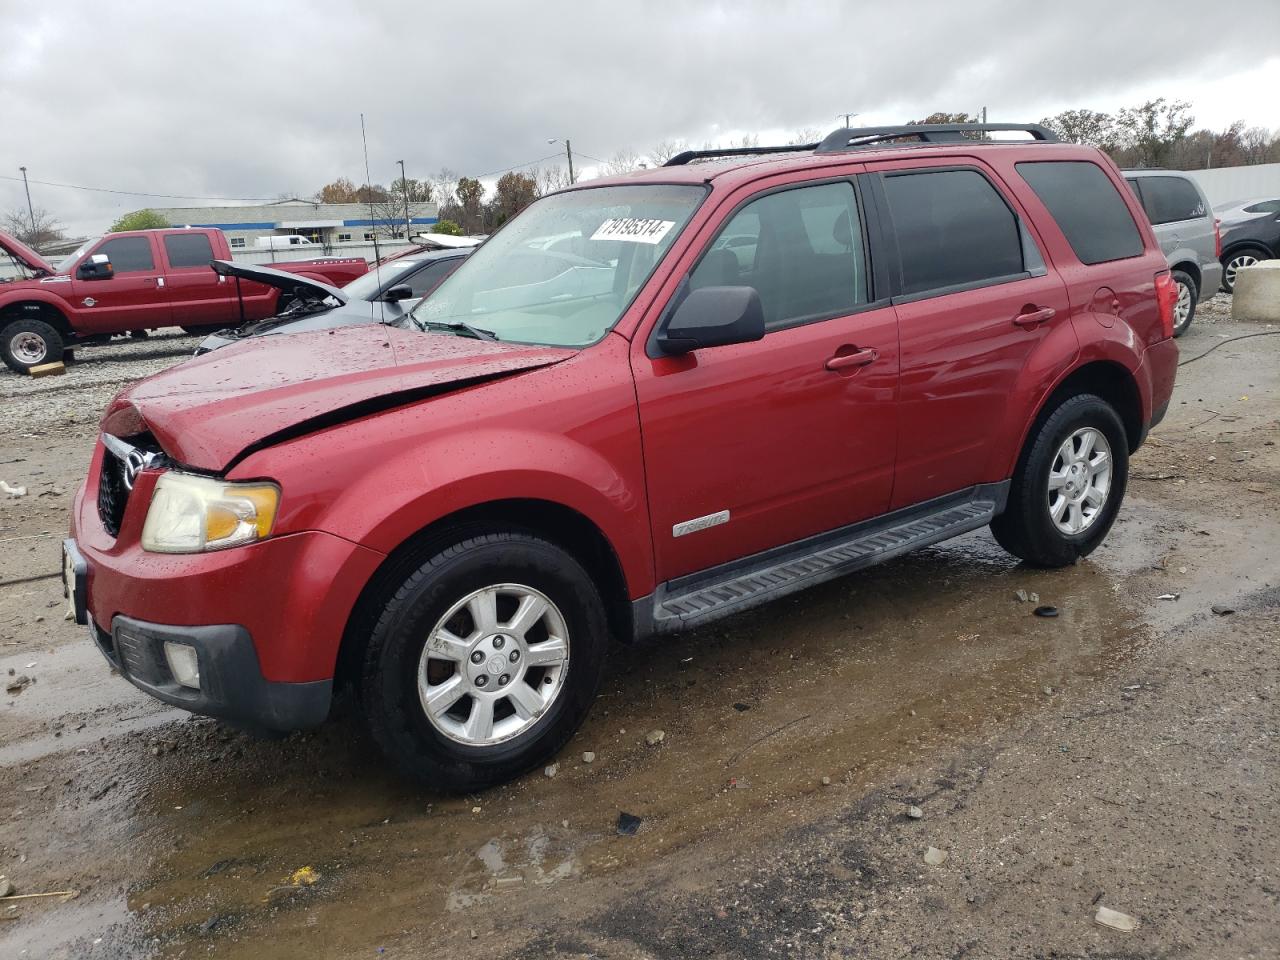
{"points": [[260, 99]]}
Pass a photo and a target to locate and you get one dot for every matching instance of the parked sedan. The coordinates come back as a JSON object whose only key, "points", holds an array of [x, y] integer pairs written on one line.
{"points": [[383, 295], [1250, 232]]}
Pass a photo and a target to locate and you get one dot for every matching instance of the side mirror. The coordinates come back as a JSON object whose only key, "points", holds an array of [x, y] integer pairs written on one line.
{"points": [[96, 267], [713, 317], [400, 292]]}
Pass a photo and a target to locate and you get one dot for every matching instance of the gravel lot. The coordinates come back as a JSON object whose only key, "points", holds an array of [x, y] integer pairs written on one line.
{"points": [[1123, 755]]}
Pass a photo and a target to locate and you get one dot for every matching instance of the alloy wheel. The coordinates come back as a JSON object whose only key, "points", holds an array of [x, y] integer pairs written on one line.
{"points": [[493, 665], [28, 348], [1079, 481], [1235, 264]]}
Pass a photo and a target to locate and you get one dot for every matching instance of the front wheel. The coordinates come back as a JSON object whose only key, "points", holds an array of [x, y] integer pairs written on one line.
{"points": [[1068, 486], [28, 343], [484, 661]]}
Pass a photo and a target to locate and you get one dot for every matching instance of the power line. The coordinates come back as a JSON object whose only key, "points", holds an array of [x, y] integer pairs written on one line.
{"points": [[135, 193], [494, 173]]}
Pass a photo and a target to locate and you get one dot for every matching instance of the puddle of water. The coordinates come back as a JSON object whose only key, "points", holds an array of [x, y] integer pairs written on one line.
{"points": [[835, 682]]}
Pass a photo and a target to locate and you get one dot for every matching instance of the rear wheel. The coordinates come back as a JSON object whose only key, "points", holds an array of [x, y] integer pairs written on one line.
{"points": [[1067, 490], [484, 661], [28, 343], [1185, 307], [1231, 265]]}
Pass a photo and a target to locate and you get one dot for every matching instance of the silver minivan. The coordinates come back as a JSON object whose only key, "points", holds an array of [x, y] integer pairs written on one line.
{"points": [[1187, 232]]}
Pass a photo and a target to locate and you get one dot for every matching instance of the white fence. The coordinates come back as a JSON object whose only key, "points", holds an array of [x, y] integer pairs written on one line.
{"points": [[1225, 184]]}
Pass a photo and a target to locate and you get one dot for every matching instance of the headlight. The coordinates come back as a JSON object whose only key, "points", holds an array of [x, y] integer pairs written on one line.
{"points": [[191, 514]]}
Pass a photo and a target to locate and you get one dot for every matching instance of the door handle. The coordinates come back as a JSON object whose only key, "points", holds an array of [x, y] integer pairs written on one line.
{"points": [[1033, 318], [858, 358]]}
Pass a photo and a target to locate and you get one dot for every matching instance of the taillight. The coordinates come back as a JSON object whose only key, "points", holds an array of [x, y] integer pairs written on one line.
{"points": [[1217, 238], [1167, 298]]}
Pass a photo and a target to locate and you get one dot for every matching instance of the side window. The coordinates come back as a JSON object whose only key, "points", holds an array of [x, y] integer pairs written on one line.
{"points": [[801, 249], [1266, 206], [1087, 206], [128, 254], [427, 279], [953, 229], [188, 249], [1170, 199]]}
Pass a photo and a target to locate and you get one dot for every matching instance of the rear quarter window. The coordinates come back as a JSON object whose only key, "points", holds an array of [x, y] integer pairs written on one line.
{"points": [[1170, 199], [1087, 207]]}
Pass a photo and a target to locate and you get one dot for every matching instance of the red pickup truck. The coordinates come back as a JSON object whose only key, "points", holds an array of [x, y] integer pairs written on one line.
{"points": [[134, 281]]}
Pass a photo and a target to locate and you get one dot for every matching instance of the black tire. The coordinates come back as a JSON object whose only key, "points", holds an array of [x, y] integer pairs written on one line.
{"points": [[1184, 280], [28, 343], [1026, 528], [202, 331], [388, 686], [1228, 279]]}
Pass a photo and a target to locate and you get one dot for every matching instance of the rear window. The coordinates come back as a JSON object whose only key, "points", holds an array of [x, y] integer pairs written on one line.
{"points": [[1170, 199], [1087, 206], [953, 229], [188, 249]]}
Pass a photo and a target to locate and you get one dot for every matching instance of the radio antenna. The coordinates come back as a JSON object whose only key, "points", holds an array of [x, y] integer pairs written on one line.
{"points": [[373, 221]]}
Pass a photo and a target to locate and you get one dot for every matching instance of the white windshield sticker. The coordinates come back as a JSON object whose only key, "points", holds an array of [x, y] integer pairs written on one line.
{"points": [[633, 229]]}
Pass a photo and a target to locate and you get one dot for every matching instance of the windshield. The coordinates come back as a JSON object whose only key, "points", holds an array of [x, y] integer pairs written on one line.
{"points": [[366, 287], [65, 264], [564, 270]]}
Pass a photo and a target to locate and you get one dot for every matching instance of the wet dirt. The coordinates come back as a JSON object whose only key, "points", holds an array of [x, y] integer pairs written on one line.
{"points": [[795, 736]]}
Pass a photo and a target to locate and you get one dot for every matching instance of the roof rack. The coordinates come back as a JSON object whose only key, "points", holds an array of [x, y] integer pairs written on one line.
{"points": [[680, 159], [850, 138]]}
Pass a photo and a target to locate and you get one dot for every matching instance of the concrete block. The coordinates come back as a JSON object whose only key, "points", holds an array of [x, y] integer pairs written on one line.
{"points": [[1257, 293], [55, 369]]}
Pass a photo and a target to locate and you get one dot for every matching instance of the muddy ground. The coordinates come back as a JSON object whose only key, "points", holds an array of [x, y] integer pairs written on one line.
{"points": [[1125, 754]]}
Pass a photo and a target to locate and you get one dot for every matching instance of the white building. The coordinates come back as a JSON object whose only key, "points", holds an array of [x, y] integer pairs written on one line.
{"points": [[329, 225]]}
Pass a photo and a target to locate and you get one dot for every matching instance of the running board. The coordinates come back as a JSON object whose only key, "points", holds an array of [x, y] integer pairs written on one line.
{"points": [[710, 594]]}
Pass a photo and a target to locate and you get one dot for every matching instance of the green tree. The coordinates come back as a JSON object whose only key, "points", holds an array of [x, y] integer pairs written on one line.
{"points": [[1084, 126], [469, 194], [1149, 133], [140, 220], [447, 226], [512, 193]]}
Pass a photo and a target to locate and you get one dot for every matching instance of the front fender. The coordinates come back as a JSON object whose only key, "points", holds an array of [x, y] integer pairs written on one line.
{"points": [[32, 293], [567, 434]]}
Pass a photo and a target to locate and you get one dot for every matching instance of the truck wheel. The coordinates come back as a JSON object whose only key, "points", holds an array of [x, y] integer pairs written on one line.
{"points": [[28, 343], [1067, 489], [484, 661], [1185, 307]]}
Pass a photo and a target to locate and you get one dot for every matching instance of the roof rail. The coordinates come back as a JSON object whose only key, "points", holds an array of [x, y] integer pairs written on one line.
{"points": [[850, 138], [680, 159]]}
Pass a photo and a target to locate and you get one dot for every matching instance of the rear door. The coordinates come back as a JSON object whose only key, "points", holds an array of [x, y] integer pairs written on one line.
{"points": [[199, 296], [134, 297], [756, 445], [975, 301]]}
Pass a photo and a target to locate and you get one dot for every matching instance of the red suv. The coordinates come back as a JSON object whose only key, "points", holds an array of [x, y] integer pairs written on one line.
{"points": [[649, 401]]}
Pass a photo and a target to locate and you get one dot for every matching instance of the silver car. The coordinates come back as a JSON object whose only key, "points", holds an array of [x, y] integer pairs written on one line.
{"points": [[1188, 235]]}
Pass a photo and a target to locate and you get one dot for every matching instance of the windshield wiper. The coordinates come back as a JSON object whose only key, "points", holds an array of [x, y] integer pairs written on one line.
{"points": [[455, 326]]}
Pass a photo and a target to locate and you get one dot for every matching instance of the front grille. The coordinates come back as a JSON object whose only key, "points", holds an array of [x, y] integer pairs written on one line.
{"points": [[113, 493]]}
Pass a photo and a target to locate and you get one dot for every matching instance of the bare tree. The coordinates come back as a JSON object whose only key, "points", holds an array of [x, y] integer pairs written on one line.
{"points": [[549, 179], [665, 150], [806, 135], [45, 229], [623, 161]]}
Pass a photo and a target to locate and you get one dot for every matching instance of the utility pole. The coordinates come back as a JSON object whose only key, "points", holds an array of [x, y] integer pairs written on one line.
{"points": [[568, 152], [847, 118], [984, 114], [31, 211], [404, 185]]}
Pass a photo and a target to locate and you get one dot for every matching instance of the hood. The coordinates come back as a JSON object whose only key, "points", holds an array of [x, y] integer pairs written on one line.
{"points": [[213, 410], [26, 256], [351, 314], [277, 278]]}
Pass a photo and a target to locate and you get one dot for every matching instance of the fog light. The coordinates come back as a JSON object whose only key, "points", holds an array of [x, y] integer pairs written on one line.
{"points": [[183, 663]]}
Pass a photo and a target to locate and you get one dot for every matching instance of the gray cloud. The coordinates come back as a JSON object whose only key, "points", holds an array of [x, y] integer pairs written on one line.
{"points": [[259, 99]]}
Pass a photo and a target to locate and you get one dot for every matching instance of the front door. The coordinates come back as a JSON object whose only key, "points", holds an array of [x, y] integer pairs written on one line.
{"points": [[134, 297], [756, 445], [199, 296], [975, 302]]}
